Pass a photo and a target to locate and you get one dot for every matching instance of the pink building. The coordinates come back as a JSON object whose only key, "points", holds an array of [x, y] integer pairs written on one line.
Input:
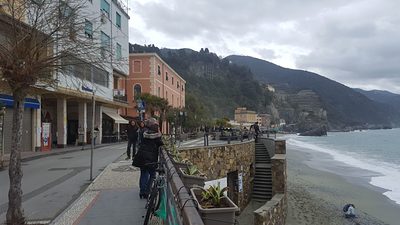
{"points": [[148, 73]]}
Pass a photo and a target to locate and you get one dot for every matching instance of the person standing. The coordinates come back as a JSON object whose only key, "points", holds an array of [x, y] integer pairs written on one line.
{"points": [[256, 129], [147, 155], [132, 133]]}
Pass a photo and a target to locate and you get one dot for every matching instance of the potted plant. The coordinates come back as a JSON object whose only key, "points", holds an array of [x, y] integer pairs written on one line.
{"points": [[180, 163], [191, 176], [214, 207]]}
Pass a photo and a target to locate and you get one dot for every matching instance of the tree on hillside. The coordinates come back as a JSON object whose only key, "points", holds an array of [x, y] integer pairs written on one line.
{"points": [[39, 42]]}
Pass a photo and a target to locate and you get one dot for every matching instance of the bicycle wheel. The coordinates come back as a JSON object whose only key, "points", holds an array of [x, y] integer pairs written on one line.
{"points": [[152, 205]]}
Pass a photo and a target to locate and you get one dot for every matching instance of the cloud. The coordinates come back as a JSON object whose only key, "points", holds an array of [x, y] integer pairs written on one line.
{"points": [[353, 42]]}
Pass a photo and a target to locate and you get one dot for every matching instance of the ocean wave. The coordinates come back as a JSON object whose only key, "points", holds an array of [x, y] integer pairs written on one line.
{"points": [[389, 174]]}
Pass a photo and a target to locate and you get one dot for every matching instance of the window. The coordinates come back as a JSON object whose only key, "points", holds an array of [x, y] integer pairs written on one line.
{"points": [[172, 100], [172, 80], [137, 90], [118, 52], [89, 29], [105, 7], [137, 66], [66, 11], [159, 92], [38, 2], [177, 85], [166, 75], [159, 70], [118, 20], [182, 87], [105, 43]]}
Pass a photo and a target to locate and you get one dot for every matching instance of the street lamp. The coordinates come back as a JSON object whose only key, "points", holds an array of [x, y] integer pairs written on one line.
{"points": [[2, 114]]}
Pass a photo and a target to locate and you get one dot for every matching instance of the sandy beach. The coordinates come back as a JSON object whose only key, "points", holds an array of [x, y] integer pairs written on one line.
{"points": [[318, 189]]}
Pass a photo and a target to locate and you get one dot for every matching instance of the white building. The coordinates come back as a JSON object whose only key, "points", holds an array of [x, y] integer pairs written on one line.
{"points": [[64, 113]]}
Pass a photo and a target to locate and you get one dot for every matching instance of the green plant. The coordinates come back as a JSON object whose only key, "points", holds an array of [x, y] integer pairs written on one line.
{"points": [[212, 196], [192, 170]]}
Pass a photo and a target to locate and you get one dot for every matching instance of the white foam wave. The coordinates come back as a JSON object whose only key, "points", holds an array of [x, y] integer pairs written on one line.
{"points": [[390, 173]]}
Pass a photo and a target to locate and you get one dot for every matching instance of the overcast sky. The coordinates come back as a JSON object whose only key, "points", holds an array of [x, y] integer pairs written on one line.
{"points": [[355, 42]]}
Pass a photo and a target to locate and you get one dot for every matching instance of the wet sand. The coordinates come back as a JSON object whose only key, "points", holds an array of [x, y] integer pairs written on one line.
{"points": [[319, 187]]}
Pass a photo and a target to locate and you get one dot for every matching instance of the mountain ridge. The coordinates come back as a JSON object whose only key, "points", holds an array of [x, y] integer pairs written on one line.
{"points": [[345, 106]]}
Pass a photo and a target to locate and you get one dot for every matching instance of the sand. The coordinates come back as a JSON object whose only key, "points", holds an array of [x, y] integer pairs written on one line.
{"points": [[318, 190]]}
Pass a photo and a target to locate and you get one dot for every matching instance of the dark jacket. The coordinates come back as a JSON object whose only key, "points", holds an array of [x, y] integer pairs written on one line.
{"points": [[132, 132], [148, 150]]}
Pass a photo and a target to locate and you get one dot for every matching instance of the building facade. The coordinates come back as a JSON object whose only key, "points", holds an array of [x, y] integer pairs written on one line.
{"points": [[242, 115], [148, 73], [62, 115]]}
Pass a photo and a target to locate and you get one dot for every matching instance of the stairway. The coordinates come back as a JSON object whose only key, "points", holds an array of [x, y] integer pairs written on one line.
{"points": [[262, 189]]}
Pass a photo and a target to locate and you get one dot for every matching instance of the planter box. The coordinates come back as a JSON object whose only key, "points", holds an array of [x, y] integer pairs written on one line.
{"points": [[216, 216], [191, 181]]}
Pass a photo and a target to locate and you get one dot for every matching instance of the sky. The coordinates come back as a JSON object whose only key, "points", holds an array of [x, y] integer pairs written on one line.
{"points": [[354, 42]]}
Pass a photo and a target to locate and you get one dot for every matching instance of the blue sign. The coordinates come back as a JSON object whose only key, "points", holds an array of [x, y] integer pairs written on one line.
{"points": [[84, 88], [140, 104]]}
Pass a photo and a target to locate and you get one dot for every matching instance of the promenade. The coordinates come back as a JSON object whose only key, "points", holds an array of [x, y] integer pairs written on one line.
{"points": [[112, 198]]}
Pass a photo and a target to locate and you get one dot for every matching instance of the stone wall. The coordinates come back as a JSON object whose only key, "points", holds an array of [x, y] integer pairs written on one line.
{"points": [[273, 212], [217, 161]]}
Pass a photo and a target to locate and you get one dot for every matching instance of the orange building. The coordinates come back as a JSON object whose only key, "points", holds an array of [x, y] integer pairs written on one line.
{"points": [[148, 73]]}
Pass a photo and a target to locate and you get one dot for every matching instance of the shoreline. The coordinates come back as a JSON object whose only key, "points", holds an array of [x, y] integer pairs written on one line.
{"points": [[318, 189]]}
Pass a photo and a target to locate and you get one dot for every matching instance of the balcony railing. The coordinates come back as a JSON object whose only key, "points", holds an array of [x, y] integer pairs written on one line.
{"points": [[119, 95]]}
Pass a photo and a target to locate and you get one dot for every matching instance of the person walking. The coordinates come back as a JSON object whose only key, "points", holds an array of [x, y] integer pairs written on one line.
{"points": [[256, 130], [147, 155], [141, 130], [132, 133]]}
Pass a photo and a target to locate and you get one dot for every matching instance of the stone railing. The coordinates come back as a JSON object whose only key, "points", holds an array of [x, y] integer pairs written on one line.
{"points": [[274, 212], [217, 161]]}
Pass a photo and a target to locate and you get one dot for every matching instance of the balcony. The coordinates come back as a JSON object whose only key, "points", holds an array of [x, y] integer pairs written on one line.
{"points": [[119, 96]]}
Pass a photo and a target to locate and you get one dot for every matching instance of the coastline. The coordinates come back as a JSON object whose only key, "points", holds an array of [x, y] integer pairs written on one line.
{"points": [[318, 189]]}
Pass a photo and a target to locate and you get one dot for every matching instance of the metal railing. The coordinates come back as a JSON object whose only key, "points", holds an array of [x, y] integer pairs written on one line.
{"points": [[181, 207], [120, 98]]}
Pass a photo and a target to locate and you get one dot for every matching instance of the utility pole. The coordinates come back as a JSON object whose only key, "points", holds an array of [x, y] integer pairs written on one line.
{"points": [[92, 132]]}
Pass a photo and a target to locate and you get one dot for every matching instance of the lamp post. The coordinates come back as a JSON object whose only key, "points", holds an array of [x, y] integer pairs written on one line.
{"points": [[2, 114]]}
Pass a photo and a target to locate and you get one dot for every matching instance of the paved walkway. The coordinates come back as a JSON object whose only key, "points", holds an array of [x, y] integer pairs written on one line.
{"points": [[113, 198]]}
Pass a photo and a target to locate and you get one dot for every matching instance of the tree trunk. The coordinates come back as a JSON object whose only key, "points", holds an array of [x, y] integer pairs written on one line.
{"points": [[14, 212]]}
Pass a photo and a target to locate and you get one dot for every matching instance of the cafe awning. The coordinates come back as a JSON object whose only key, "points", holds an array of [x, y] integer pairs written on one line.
{"points": [[115, 116], [8, 101]]}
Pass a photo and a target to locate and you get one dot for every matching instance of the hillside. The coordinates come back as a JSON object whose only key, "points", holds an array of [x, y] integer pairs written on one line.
{"points": [[384, 97], [344, 106], [215, 83]]}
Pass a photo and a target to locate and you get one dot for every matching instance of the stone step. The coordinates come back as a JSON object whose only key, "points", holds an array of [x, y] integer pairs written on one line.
{"points": [[263, 179], [262, 187], [261, 193], [263, 183], [261, 197]]}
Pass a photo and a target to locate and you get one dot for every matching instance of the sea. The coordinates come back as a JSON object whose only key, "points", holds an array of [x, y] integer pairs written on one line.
{"points": [[377, 151]]}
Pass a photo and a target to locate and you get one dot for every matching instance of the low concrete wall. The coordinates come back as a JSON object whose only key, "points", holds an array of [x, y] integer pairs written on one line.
{"points": [[217, 161], [273, 212]]}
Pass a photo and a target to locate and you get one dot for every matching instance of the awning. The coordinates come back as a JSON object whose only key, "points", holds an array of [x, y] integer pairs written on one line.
{"points": [[114, 115], [8, 101]]}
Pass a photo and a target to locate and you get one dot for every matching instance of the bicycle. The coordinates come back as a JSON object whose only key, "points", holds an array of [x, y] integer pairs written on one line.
{"points": [[156, 202]]}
